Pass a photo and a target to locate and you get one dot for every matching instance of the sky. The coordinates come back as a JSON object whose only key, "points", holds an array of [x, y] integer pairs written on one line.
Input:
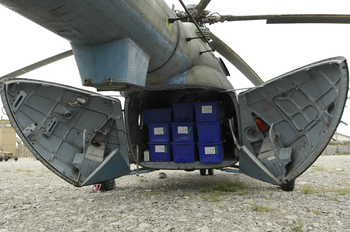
{"points": [[271, 50]]}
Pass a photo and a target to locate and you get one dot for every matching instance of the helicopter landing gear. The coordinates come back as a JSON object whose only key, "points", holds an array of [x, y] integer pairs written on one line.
{"points": [[108, 185], [203, 171], [289, 186]]}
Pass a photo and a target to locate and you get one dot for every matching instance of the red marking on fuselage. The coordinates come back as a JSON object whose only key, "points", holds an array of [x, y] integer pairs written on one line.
{"points": [[265, 110]]}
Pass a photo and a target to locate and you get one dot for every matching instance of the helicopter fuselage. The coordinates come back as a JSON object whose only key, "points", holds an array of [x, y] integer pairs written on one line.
{"points": [[275, 130], [118, 44]]}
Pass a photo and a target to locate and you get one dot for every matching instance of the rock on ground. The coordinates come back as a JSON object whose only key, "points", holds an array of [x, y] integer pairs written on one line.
{"points": [[34, 199]]}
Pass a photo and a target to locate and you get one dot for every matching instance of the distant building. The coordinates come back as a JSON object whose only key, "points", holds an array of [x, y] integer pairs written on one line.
{"points": [[338, 145], [340, 137], [9, 141], [7, 137]]}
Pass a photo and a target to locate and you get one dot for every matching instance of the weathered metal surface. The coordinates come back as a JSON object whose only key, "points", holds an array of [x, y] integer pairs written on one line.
{"points": [[119, 63], [304, 107], [58, 139], [144, 22]]}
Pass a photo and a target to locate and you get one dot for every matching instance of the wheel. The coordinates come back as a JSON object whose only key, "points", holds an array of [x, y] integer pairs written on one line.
{"points": [[108, 185], [210, 172], [289, 186], [6, 159], [203, 171], [0, 159], [16, 158]]}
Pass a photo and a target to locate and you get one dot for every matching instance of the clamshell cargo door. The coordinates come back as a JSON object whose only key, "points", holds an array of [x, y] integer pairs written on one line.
{"points": [[287, 122], [79, 135]]}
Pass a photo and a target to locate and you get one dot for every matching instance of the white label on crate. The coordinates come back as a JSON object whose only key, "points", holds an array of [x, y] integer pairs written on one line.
{"points": [[182, 130], [207, 109], [271, 158], [159, 131], [209, 150], [160, 148]]}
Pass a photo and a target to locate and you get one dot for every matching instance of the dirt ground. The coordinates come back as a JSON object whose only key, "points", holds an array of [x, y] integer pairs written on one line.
{"points": [[34, 199]]}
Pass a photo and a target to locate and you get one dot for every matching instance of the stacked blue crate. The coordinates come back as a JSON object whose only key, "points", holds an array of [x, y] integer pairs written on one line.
{"points": [[159, 151], [209, 116], [210, 152], [158, 132], [210, 111], [157, 115], [158, 121], [183, 133]]}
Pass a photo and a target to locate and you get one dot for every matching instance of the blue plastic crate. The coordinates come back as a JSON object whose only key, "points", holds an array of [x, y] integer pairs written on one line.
{"points": [[210, 152], [159, 132], [182, 131], [157, 115], [209, 132], [159, 152], [183, 112], [183, 152], [209, 111]]}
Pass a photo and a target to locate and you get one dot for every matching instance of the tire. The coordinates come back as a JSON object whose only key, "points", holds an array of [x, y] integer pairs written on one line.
{"points": [[108, 185], [203, 171], [6, 159], [210, 172], [0, 159], [289, 186], [16, 158]]}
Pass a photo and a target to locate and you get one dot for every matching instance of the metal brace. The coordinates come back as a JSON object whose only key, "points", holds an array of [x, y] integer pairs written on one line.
{"points": [[80, 102]]}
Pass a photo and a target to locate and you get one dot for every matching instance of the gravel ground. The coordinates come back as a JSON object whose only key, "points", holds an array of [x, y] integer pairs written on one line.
{"points": [[34, 199]]}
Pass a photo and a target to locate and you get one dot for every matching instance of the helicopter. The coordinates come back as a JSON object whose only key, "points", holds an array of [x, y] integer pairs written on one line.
{"points": [[160, 58]]}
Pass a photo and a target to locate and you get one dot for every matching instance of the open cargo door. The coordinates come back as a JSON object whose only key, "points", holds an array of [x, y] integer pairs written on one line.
{"points": [[287, 122], [79, 135]]}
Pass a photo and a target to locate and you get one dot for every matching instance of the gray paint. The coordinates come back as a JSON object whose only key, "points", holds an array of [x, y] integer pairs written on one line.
{"points": [[303, 107], [73, 132]]}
